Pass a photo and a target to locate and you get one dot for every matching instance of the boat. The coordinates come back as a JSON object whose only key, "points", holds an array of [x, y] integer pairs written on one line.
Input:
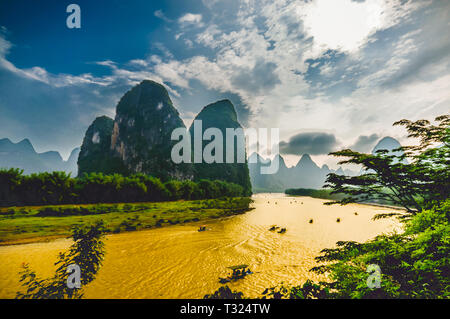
{"points": [[238, 272], [282, 231], [202, 228]]}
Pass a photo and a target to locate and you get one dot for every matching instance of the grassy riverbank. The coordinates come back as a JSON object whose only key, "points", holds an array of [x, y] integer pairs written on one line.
{"points": [[40, 223], [315, 193], [326, 194]]}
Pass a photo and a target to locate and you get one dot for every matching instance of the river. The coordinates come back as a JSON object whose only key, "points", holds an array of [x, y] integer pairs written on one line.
{"points": [[180, 262]]}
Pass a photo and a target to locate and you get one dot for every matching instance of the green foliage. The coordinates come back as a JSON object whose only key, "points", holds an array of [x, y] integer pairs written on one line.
{"points": [[28, 224], [417, 185], [87, 252], [191, 190], [225, 292], [174, 188], [58, 188], [309, 290], [229, 204], [130, 224], [9, 181], [316, 193], [413, 264]]}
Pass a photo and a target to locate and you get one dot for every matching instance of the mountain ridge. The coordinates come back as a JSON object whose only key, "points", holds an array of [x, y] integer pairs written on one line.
{"points": [[23, 155], [221, 115], [305, 173]]}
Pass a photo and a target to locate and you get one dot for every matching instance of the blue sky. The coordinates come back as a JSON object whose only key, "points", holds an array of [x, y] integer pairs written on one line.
{"points": [[319, 68]]}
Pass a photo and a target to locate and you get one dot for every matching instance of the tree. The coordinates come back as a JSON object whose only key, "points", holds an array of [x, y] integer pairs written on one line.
{"points": [[412, 264], [415, 263], [58, 188], [10, 179], [87, 253], [420, 183]]}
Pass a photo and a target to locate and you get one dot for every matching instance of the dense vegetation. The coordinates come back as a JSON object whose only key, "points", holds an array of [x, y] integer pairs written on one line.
{"points": [[225, 292], [411, 264], [316, 193], [415, 263], [419, 184], [59, 188]]}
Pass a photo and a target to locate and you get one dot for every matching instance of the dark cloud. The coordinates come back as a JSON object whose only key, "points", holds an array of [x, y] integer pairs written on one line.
{"points": [[365, 143], [315, 143], [261, 77]]}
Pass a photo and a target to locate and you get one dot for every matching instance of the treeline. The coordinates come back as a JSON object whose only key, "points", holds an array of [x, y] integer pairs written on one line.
{"points": [[316, 193], [329, 194], [59, 188]]}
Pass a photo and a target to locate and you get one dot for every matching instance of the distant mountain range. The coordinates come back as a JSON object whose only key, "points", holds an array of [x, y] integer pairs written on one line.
{"points": [[138, 140], [23, 155], [305, 174]]}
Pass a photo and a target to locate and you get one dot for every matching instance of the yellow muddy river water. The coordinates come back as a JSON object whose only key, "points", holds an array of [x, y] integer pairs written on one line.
{"points": [[180, 262]]}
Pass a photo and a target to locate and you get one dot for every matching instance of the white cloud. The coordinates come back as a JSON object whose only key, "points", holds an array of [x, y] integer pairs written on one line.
{"points": [[106, 63], [191, 18], [40, 74], [161, 15], [293, 37], [139, 63], [341, 25], [189, 43], [5, 46]]}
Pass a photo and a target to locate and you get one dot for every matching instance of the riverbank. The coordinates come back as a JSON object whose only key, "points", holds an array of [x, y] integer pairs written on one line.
{"points": [[327, 194], [180, 262], [21, 225]]}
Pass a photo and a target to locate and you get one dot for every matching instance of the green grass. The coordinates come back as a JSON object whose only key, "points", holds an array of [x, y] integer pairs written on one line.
{"points": [[29, 224], [316, 193]]}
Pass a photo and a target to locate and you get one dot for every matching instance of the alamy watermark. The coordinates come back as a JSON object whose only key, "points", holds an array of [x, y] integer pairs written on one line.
{"points": [[235, 143], [374, 279], [73, 20], [74, 279]]}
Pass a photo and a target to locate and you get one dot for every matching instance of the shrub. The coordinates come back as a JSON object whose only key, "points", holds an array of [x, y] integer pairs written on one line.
{"points": [[58, 188]]}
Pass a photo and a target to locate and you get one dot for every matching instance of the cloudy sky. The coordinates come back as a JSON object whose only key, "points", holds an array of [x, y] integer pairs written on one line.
{"points": [[330, 74]]}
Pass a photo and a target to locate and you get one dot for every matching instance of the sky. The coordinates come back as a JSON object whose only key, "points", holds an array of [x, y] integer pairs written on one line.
{"points": [[329, 74]]}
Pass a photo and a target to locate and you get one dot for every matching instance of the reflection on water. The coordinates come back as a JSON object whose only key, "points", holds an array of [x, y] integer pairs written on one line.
{"points": [[180, 262]]}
